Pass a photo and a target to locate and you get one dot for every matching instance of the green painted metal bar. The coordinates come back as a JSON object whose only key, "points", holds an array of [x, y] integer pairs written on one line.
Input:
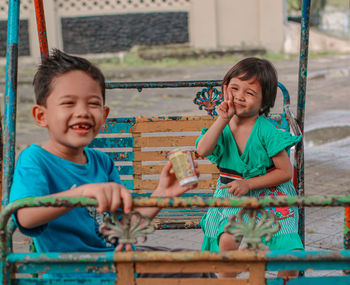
{"points": [[272, 256], [302, 79], [9, 132], [10, 97]]}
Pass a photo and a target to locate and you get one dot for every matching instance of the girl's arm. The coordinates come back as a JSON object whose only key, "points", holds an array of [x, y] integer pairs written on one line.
{"points": [[226, 111], [209, 140], [281, 174]]}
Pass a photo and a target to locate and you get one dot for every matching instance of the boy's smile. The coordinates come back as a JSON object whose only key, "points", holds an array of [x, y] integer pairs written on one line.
{"points": [[74, 113]]}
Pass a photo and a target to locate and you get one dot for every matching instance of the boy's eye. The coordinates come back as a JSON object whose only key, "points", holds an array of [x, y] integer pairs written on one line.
{"points": [[95, 103], [67, 103]]}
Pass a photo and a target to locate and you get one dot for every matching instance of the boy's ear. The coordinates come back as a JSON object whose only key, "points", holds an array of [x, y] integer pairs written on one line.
{"points": [[39, 115], [106, 112]]}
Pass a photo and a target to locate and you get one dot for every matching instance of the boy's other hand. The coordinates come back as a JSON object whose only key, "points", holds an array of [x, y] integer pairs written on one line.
{"points": [[109, 196], [169, 186]]}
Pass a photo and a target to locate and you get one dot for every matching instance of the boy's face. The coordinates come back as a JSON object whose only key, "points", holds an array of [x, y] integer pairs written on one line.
{"points": [[74, 111]]}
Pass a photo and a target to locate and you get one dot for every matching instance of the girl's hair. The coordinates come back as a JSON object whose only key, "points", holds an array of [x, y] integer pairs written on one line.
{"points": [[263, 71], [58, 63]]}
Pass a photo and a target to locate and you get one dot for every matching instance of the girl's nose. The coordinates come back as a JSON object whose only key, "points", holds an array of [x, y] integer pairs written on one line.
{"points": [[239, 96]]}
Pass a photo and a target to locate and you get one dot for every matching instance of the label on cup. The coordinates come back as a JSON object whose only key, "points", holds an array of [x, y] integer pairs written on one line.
{"points": [[183, 166]]}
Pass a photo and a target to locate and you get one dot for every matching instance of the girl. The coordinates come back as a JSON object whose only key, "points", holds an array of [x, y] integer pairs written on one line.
{"points": [[251, 154]]}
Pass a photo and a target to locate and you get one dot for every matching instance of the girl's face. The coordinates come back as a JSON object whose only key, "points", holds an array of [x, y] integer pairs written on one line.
{"points": [[246, 96]]}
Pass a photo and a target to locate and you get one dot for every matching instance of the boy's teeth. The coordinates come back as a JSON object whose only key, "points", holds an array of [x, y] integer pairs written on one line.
{"points": [[80, 127]]}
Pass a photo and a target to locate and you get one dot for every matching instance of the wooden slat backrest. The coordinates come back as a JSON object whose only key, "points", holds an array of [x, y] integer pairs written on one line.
{"points": [[139, 147]]}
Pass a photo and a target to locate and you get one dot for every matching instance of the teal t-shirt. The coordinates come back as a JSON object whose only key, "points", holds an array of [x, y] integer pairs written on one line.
{"points": [[39, 173]]}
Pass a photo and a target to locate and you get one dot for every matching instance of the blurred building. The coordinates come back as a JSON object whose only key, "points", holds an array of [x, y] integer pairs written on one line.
{"points": [[89, 27]]}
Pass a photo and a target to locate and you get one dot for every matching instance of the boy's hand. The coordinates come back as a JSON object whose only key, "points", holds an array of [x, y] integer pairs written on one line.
{"points": [[226, 109], [168, 185], [237, 187], [109, 196]]}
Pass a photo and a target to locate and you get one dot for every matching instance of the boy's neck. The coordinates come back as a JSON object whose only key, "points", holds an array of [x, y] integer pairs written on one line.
{"points": [[76, 155]]}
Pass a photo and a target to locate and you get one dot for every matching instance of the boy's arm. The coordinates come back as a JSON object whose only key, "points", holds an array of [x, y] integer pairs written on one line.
{"points": [[168, 186], [109, 196]]}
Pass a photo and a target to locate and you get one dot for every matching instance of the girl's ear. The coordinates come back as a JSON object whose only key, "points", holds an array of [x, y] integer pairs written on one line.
{"points": [[39, 115]]}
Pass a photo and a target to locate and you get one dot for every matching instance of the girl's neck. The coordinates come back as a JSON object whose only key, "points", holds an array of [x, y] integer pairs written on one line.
{"points": [[243, 121]]}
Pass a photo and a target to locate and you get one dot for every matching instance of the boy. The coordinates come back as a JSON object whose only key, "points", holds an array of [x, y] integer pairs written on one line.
{"points": [[70, 97]]}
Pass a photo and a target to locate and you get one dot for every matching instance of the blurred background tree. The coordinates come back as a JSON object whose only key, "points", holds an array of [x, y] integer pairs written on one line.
{"points": [[294, 8]]}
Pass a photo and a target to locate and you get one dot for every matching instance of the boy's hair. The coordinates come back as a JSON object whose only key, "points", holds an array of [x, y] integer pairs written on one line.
{"points": [[58, 63], [264, 72]]}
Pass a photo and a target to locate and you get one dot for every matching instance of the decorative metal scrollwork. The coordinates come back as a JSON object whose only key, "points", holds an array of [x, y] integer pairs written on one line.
{"points": [[208, 98], [249, 226], [126, 227]]}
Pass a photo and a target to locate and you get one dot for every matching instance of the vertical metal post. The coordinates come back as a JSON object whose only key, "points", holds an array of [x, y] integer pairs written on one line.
{"points": [[10, 98], [41, 27], [303, 60], [346, 242], [1, 157]]}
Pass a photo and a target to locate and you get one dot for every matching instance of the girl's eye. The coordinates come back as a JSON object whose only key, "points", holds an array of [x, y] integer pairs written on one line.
{"points": [[250, 93], [68, 103]]}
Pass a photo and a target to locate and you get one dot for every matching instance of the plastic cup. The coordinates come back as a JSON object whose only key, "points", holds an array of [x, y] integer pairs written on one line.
{"points": [[183, 166]]}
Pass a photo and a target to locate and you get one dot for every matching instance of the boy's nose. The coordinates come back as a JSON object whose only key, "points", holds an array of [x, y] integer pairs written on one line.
{"points": [[81, 111]]}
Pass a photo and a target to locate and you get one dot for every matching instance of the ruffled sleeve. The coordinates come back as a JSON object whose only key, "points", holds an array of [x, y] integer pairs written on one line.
{"points": [[216, 156], [276, 140]]}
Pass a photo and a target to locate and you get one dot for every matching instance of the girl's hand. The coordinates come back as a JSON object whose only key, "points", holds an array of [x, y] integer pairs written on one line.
{"points": [[226, 109], [237, 187]]}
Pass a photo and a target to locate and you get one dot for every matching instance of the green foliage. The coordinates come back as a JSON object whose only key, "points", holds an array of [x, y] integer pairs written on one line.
{"points": [[316, 5]]}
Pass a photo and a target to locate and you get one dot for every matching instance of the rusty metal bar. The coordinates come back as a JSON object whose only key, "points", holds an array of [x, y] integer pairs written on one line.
{"points": [[1, 157], [10, 99], [302, 79], [41, 27], [144, 256], [245, 202], [162, 84], [346, 238]]}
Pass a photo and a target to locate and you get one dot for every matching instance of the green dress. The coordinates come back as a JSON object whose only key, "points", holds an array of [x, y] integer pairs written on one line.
{"points": [[264, 142]]}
